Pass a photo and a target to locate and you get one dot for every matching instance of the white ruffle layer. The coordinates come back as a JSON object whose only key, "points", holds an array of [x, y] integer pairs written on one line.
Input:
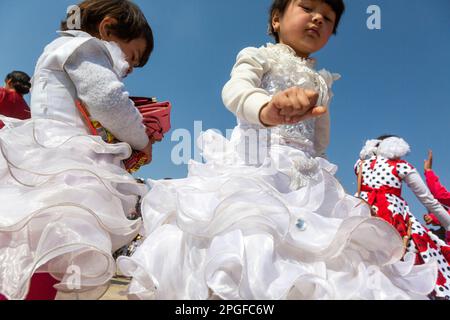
{"points": [[232, 231], [65, 201]]}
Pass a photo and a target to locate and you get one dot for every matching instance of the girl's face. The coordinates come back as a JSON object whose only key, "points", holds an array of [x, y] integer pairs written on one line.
{"points": [[133, 50], [305, 26]]}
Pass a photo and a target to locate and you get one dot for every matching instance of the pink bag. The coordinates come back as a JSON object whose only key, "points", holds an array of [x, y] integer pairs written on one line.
{"points": [[156, 116]]}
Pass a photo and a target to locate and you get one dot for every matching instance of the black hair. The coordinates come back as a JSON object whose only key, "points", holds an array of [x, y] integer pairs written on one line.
{"points": [[338, 7], [131, 22], [19, 81], [386, 136]]}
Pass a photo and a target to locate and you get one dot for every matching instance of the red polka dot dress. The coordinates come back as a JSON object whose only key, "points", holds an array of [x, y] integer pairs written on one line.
{"points": [[381, 187]]}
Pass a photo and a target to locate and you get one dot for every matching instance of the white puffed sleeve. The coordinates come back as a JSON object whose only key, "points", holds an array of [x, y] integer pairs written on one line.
{"points": [[104, 95], [242, 95], [419, 188], [322, 135], [323, 123]]}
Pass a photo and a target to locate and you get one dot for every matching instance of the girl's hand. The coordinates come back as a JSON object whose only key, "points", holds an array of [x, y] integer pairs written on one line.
{"points": [[428, 219], [148, 150], [431, 219], [291, 106], [428, 164]]}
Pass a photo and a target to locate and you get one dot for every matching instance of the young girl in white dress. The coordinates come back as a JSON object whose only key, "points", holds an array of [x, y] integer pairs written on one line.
{"points": [[65, 194], [264, 217]]}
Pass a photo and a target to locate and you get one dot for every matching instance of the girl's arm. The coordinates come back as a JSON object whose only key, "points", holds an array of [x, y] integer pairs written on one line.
{"points": [[242, 95], [418, 186], [104, 95], [436, 188]]}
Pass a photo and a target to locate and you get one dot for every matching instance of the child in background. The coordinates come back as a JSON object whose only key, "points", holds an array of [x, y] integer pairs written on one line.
{"points": [[12, 103], [383, 173], [66, 195]]}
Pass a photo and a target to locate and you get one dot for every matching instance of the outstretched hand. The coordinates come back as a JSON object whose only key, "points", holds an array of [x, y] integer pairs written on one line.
{"points": [[431, 219], [428, 219], [291, 106], [428, 164]]}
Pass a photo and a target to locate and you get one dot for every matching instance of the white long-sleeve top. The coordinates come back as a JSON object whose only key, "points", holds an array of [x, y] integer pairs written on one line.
{"points": [[79, 66], [243, 93], [423, 193], [104, 94], [260, 73]]}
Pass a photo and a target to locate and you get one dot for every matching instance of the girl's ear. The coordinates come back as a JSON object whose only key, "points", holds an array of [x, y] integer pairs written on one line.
{"points": [[276, 21], [104, 29], [8, 84]]}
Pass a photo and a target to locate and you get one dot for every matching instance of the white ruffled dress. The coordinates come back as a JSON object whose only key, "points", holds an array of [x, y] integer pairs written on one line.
{"points": [[264, 218], [64, 194]]}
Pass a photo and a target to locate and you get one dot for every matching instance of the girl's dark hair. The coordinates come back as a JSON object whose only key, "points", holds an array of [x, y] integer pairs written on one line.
{"points": [[386, 136], [338, 7], [20, 82], [131, 22]]}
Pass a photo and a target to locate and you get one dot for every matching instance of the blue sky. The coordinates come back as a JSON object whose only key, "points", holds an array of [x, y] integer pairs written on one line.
{"points": [[394, 80]]}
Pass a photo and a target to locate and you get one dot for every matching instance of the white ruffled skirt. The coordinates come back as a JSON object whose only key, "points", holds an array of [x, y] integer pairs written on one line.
{"points": [[282, 230], [64, 200]]}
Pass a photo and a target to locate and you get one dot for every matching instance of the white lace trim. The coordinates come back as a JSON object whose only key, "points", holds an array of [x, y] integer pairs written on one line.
{"points": [[393, 148], [280, 48], [390, 148], [370, 149]]}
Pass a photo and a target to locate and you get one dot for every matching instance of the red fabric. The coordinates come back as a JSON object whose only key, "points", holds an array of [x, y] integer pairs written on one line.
{"points": [[438, 191], [41, 288], [446, 250], [393, 164], [13, 105], [441, 281], [373, 163], [423, 242], [436, 188], [374, 193], [156, 116], [377, 197]]}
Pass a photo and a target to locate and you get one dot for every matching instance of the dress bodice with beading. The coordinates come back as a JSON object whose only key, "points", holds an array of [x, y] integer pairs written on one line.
{"points": [[287, 70]]}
